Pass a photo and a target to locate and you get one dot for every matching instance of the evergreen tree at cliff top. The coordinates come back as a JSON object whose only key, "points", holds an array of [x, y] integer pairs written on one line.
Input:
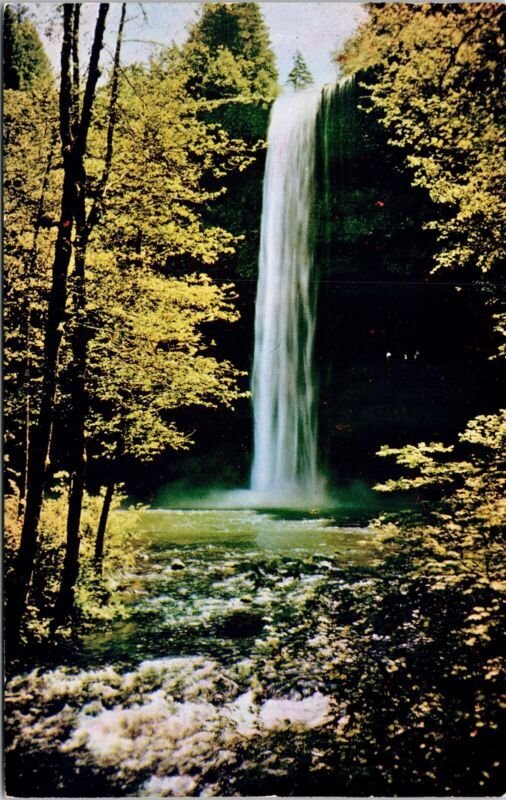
{"points": [[299, 76], [231, 71], [229, 53], [24, 58]]}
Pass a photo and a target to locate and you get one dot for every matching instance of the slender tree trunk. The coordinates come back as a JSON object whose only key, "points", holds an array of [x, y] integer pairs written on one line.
{"points": [[73, 153], [79, 346], [26, 439], [102, 525], [28, 329], [40, 434], [77, 461]]}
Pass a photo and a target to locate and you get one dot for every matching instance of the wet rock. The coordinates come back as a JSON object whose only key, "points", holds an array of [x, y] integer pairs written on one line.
{"points": [[239, 624]]}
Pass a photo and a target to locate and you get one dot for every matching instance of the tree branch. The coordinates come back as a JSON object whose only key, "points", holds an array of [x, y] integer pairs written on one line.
{"points": [[75, 70], [454, 54], [93, 75], [96, 210], [65, 79]]}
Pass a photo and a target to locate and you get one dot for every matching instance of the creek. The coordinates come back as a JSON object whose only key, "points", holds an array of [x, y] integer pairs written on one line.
{"points": [[163, 701], [209, 581]]}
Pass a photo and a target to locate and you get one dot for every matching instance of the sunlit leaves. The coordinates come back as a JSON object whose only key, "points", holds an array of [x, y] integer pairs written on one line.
{"points": [[32, 181], [228, 54], [167, 165], [436, 81], [149, 354]]}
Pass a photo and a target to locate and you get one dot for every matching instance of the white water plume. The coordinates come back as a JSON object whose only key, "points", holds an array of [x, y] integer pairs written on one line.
{"points": [[283, 386]]}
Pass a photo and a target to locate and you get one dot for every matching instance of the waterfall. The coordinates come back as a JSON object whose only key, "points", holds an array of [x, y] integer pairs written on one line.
{"points": [[285, 466]]}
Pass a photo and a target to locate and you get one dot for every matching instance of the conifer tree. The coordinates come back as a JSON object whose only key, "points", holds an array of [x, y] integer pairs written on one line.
{"points": [[24, 57], [229, 53], [299, 76]]}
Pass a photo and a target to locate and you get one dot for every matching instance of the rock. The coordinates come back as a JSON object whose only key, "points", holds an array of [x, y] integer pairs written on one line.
{"points": [[177, 564], [239, 624]]}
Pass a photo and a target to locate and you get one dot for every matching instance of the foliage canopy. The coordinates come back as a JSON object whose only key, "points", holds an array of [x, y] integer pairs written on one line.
{"points": [[435, 74], [229, 54], [24, 59]]}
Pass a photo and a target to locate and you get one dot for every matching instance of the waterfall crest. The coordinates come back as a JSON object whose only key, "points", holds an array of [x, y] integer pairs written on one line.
{"points": [[284, 390]]}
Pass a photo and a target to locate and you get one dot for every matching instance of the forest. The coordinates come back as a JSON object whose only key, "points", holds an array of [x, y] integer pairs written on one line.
{"points": [[199, 599]]}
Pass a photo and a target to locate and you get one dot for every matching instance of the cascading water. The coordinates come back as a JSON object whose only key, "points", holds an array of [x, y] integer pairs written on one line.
{"points": [[285, 465]]}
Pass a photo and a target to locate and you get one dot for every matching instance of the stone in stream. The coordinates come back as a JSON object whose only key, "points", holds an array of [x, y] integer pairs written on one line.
{"points": [[239, 624]]}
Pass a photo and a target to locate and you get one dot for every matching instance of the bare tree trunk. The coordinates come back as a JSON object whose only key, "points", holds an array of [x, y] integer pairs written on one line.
{"points": [[28, 328], [72, 152], [79, 346], [79, 404], [102, 525]]}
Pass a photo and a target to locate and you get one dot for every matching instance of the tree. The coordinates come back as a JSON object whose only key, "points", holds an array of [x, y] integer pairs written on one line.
{"points": [[434, 73], [148, 354], [166, 145], [123, 213], [85, 221], [24, 59], [229, 54], [148, 359], [74, 125], [231, 69], [299, 76], [31, 188]]}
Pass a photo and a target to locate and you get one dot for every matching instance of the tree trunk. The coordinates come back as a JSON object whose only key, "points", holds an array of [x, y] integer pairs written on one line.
{"points": [[77, 466], [102, 525], [28, 326], [79, 346], [40, 434], [26, 439], [73, 153]]}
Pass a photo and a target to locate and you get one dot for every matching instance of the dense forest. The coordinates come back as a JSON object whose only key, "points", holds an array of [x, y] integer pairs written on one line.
{"points": [[132, 216]]}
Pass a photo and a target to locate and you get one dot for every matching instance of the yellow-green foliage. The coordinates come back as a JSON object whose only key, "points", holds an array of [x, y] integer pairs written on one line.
{"points": [[31, 185], [420, 459], [150, 356], [434, 74], [96, 592], [468, 510], [436, 78], [148, 349], [149, 353], [167, 164]]}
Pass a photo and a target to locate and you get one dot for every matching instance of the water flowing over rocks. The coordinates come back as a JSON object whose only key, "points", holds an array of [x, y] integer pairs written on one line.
{"points": [[137, 718], [177, 721]]}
